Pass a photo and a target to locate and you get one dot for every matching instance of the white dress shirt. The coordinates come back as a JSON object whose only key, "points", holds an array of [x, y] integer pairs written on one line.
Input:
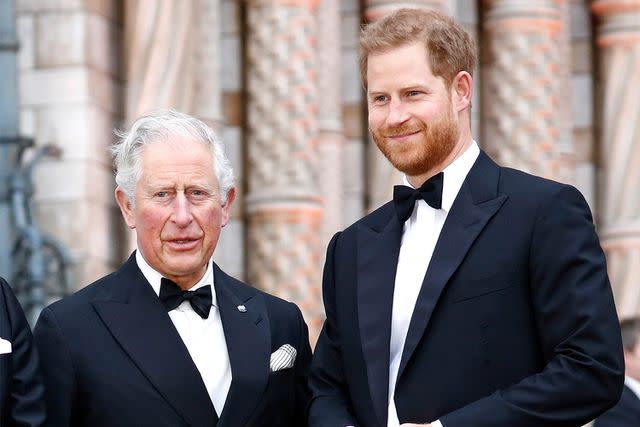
{"points": [[633, 384], [419, 237], [204, 338]]}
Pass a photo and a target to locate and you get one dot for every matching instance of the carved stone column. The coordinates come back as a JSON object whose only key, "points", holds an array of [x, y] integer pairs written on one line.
{"points": [[618, 42], [526, 86], [330, 138], [283, 204], [160, 42], [375, 9], [207, 105], [381, 175]]}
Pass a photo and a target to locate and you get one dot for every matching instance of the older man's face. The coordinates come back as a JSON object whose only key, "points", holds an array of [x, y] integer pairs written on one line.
{"points": [[178, 214]]}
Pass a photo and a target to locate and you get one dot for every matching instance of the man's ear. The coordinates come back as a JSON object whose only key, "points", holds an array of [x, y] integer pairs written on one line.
{"points": [[462, 91], [125, 207], [226, 209]]}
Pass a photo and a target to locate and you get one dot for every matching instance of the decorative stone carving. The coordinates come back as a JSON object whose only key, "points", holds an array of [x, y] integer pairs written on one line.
{"points": [[330, 138], [283, 204], [524, 120], [160, 45], [618, 42]]}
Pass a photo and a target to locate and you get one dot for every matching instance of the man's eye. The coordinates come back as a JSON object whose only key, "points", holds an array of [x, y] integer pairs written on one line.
{"points": [[162, 194], [380, 98], [414, 93], [198, 194]]}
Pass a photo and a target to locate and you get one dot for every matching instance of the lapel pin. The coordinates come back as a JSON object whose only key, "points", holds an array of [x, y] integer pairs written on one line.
{"points": [[242, 308]]}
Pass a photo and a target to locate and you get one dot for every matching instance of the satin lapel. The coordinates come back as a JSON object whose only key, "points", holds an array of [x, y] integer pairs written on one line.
{"points": [[139, 322], [249, 343], [377, 259], [464, 223]]}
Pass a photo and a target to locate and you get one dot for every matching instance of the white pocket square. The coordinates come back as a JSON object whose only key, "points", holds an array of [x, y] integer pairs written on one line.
{"points": [[283, 358], [5, 346]]}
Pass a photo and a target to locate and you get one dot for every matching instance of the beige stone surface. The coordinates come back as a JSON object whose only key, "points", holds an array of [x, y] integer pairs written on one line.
{"points": [[25, 28], [102, 44], [48, 5], [82, 131], [60, 38], [74, 180]]}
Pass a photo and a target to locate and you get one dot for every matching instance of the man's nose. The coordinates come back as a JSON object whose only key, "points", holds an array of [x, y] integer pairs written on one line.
{"points": [[398, 113], [181, 210]]}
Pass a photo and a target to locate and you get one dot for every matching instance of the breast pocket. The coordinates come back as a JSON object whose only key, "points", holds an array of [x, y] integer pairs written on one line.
{"points": [[485, 286]]}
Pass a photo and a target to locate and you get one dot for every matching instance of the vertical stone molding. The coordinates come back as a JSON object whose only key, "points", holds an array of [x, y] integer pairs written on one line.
{"points": [[160, 46], [526, 85], [381, 175], [283, 205], [618, 42], [331, 137], [207, 102]]}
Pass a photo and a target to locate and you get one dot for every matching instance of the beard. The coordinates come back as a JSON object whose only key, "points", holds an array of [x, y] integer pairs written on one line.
{"points": [[430, 147]]}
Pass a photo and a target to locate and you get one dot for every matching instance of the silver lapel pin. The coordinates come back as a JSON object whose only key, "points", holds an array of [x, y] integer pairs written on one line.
{"points": [[242, 308]]}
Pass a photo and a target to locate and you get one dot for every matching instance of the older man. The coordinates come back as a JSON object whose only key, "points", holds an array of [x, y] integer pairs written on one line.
{"points": [[169, 339], [21, 388], [479, 296]]}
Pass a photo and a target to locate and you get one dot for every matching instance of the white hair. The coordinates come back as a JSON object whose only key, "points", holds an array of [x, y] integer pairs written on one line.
{"points": [[158, 126]]}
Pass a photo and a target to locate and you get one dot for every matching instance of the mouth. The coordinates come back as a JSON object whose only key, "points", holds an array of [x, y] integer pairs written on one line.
{"points": [[182, 244], [403, 136]]}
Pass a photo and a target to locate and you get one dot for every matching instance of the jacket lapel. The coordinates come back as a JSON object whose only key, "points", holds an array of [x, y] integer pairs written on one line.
{"points": [[476, 203], [139, 322], [248, 340], [377, 259]]}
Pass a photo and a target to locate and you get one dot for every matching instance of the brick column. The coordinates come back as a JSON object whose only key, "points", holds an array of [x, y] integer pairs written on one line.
{"points": [[283, 204], [526, 81], [330, 136], [381, 175], [618, 42]]}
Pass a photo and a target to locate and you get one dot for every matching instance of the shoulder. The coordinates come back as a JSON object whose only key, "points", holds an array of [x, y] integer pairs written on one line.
{"points": [[245, 291], [80, 301], [535, 194]]}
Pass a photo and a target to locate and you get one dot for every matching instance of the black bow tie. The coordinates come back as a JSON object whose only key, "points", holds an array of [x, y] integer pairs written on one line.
{"points": [[404, 198], [172, 296]]}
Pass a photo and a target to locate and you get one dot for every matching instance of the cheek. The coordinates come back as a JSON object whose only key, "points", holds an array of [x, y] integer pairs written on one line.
{"points": [[152, 221]]}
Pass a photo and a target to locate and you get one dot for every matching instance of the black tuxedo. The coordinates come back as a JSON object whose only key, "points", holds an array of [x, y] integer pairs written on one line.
{"points": [[112, 357], [625, 414], [21, 389], [514, 325]]}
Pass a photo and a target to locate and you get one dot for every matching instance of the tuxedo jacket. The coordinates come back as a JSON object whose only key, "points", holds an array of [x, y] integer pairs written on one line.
{"points": [[112, 357], [514, 324], [626, 413], [21, 389]]}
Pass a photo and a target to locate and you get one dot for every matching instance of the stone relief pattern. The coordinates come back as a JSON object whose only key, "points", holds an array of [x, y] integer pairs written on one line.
{"points": [[523, 125], [207, 104], [285, 260], [620, 200], [330, 137], [282, 98]]}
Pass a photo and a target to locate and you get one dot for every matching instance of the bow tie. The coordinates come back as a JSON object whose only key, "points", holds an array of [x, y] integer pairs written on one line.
{"points": [[172, 296], [404, 198]]}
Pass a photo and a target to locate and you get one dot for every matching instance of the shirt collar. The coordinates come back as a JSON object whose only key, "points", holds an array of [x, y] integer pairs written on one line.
{"points": [[154, 278], [634, 385], [454, 175]]}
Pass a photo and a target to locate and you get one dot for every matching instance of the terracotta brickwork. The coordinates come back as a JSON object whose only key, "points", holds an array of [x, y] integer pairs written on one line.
{"points": [[283, 203], [525, 125]]}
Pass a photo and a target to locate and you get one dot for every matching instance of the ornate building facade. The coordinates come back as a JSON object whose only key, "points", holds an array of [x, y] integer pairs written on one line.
{"points": [[556, 94]]}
